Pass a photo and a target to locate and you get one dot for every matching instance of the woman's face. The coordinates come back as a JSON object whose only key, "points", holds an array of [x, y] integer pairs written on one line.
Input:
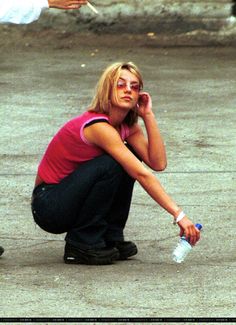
{"points": [[127, 90]]}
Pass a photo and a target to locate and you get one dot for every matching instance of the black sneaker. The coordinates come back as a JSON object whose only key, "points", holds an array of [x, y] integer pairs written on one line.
{"points": [[1, 250], [125, 248], [99, 256]]}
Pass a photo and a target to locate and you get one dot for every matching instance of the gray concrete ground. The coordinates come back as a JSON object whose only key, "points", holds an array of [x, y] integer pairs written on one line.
{"points": [[193, 91]]}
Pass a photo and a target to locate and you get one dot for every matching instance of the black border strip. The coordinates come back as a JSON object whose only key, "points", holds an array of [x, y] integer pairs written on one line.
{"points": [[119, 319]]}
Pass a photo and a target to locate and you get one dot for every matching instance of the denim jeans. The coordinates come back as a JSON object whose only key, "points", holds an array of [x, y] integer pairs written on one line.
{"points": [[91, 204]]}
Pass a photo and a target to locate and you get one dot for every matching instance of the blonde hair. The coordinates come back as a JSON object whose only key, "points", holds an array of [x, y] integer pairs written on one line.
{"points": [[106, 86]]}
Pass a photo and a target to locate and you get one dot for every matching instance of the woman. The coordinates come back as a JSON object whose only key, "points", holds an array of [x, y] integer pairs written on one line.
{"points": [[86, 176]]}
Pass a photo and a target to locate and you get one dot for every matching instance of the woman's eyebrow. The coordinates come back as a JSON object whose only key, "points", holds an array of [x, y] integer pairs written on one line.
{"points": [[132, 82]]}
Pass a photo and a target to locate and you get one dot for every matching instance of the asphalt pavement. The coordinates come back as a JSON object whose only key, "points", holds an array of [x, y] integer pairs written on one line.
{"points": [[193, 92]]}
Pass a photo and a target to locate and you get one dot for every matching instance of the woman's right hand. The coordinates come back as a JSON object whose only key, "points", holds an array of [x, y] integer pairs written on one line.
{"points": [[188, 229], [144, 105]]}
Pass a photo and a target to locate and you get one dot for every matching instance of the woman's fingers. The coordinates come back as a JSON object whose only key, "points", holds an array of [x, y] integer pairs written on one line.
{"points": [[188, 229]]}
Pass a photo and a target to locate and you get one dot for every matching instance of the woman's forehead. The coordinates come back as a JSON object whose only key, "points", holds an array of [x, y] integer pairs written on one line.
{"points": [[128, 76]]}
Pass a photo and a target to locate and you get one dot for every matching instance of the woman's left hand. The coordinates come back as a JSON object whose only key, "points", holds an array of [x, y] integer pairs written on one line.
{"points": [[144, 105], [188, 229]]}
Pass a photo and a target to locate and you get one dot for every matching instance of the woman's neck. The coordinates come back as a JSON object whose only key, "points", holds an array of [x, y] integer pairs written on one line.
{"points": [[117, 116]]}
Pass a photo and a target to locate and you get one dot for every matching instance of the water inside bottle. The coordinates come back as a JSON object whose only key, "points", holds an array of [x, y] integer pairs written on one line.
{"points": [[181, 251]]}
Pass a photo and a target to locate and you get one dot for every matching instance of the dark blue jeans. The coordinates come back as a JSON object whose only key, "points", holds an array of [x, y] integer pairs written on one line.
{"points": [[91, 205]]}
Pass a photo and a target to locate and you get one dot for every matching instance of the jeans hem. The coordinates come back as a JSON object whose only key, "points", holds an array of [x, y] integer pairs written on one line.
{"points": [[85, 246]]}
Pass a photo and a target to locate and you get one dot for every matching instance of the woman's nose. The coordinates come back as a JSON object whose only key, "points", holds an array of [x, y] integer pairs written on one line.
{"points": [[128, 88]]}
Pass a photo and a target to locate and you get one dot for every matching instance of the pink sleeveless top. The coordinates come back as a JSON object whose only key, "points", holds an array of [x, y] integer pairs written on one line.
{"points": [[69, 148]]}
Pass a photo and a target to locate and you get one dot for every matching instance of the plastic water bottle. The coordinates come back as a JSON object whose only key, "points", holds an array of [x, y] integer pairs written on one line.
{"points": [[183, 247]]}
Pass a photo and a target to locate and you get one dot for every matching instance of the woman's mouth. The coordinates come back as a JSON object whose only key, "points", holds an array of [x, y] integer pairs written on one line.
{"points": [[127, 98]]}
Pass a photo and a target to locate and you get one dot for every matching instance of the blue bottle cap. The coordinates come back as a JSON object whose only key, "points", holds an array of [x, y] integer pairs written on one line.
{"points": [[198, 226]]}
